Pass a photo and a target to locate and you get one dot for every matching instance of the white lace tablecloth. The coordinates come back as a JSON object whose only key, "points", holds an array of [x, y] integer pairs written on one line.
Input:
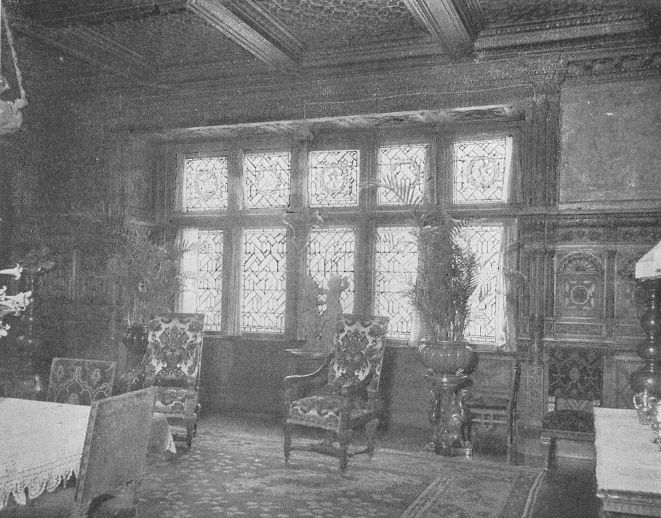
{"points": [[40, 445]]}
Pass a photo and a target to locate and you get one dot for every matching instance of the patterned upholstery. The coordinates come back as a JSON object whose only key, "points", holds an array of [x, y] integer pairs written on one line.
{"points": [[172, 363], [80, 382], [345, 390], [574, 388]]}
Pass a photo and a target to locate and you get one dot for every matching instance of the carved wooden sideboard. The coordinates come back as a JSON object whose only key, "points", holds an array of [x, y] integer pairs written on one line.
{"points": [[581, 293]]}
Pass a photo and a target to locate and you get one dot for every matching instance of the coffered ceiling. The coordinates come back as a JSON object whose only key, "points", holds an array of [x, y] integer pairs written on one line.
{"points": [[165, 42]]}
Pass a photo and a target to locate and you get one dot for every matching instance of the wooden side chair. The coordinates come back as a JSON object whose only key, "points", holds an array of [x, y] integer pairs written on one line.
{"points": [[343, 394], [111, 466], [574, 385], [172, 365], [492, 399], [80, 382]]}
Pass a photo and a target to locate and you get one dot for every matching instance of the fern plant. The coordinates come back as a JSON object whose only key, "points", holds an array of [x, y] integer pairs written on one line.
{"points": [[447, 268]]}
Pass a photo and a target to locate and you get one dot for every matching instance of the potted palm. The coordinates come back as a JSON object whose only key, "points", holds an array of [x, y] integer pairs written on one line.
{"points": [[441, 294], [143, 272]]}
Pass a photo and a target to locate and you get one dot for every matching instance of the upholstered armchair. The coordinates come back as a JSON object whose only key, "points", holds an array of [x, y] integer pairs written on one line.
{"points": [[343, 394], [80, 382], [172, 364], [573, 379]]}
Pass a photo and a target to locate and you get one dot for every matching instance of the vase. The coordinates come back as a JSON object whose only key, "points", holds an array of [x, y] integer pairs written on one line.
{"points": [[135, 339], [447, 358]]}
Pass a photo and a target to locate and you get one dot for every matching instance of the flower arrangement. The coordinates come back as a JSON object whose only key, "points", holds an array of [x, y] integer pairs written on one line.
{"points": [[12, 304]]}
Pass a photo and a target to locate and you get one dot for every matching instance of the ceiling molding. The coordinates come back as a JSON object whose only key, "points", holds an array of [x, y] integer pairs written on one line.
{"points": [[271, 27], [454, 23], [59, 13], [87, 44], [223, 19], [561, 30]]}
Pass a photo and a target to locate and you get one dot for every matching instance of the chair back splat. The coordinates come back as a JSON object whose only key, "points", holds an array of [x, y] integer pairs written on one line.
{"points": [[342, 395]]}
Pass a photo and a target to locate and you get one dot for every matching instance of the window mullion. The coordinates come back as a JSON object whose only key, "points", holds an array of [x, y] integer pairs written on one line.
{"points": [[365, 230], [297, 230], [231, 319]]}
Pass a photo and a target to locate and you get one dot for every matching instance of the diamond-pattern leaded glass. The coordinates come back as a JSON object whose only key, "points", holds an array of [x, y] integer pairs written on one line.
{"points": [[485, 242], [401, 165], [267, 179], [332, 251], [264, 280], [333, 178], [479, 171], [205, 184], [206, 262], [396, 268]]}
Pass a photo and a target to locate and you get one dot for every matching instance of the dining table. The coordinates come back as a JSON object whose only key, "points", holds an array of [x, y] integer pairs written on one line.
{"points": [[42, 445]]}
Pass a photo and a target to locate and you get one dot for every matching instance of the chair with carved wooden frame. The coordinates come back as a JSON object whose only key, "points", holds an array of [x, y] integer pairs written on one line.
{"points": [[492, 399], [172, 364], [574, 386], [343, 394], [80, 382]]}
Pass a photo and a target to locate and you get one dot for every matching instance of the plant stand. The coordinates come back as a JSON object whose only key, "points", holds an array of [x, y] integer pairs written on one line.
{"points": [[448, 416]]}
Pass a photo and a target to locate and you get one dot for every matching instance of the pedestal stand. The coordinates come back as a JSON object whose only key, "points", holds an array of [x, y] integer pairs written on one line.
{"points": [[448, 416]]}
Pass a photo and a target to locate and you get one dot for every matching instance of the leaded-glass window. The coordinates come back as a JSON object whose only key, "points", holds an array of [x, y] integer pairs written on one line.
{"points": [[396, 264], [400, 166], [332, 251], [264, 280], [486, 303], [481, 170], [333, 178], [267, 179], [202, 267], [205, 184]]}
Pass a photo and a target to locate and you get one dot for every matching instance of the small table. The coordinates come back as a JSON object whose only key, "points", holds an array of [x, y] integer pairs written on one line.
{"points": [[42, 445], [628, 466]]}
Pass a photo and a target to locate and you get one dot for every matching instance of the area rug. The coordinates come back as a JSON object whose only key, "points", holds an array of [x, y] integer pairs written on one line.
{"points": [[230, 472]]}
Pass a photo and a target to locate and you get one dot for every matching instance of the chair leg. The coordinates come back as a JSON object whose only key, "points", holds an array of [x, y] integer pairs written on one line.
{"points": [[287, 434], [370, 430], [344, 438], [548, 450]]}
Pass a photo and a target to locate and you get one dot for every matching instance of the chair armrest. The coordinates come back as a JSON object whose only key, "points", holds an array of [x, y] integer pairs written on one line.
{"points": [[298, 384], [301, 378]]}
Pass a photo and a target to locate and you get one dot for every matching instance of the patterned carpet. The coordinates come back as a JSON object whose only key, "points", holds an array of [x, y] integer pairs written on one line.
{"points": [[237, 469], [231, 472]]}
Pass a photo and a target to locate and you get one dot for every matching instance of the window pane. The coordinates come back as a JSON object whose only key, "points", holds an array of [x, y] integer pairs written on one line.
{"points": [[485, 306], [401, 166], [205, 184], [264, 279], [396, 267], [202, 268], [480, 171], [267, 179], [332, 252], [333, 178]]}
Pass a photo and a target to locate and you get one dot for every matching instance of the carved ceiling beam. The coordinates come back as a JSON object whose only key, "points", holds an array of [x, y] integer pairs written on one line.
{"points": [[454, 23], [234, 27], [59, 13], [89, 45]]}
